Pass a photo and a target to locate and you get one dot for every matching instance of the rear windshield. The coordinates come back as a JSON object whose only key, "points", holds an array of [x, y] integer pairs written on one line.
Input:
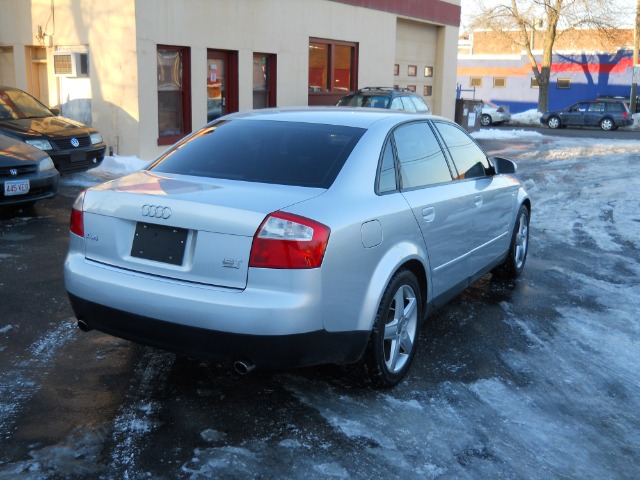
{"points": [[286, 153]]}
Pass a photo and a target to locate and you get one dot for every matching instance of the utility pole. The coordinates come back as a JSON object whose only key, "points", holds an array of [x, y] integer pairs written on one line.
{"points": [[636, 44]]}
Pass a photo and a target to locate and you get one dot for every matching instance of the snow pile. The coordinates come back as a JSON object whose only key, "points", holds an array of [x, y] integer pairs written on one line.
{"points": [[530, 117]]}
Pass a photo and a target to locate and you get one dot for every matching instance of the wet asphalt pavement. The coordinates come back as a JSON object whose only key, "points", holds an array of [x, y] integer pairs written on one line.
{"points": [[535, 378]]}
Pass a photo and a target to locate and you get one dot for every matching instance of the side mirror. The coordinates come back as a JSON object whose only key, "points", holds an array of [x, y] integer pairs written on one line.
{"points": [[503, 165], [55, 111]]}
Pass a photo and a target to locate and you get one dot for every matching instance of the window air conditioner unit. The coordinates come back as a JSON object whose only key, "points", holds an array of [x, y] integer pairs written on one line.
{"points": [[70, 64]]}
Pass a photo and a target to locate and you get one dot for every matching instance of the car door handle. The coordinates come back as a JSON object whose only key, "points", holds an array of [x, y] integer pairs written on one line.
{"points": [[478, 201], [429, 214]]}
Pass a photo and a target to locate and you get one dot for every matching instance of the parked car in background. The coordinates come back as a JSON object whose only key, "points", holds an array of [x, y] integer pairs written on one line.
{"points": [[72, 146], [607, 114], [386, 97], [492, 113], [286, 238], [27, 173], [626, 100]]}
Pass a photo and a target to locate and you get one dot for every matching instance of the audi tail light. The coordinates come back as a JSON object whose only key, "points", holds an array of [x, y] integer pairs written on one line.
{"points": [[500, 109], [77, 219], [285, 240]]}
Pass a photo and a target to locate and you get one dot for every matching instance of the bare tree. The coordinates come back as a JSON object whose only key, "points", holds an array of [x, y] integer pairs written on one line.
{"points": [[521, 21]]}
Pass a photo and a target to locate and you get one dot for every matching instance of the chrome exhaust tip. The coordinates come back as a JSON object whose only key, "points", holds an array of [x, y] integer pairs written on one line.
{"points": [[84, 326], [243, 366]]}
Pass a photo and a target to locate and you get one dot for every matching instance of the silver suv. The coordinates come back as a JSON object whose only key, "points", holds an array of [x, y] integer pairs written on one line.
{"points": [[386, 97]]}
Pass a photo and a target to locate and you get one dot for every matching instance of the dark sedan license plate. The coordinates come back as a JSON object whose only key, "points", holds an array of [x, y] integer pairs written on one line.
{"points": [[159, 243], [78, 156]]}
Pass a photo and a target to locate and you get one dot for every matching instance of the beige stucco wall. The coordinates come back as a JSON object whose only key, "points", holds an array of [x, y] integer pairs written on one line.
{"points": [[445, 77], [121, 37], [15, 32], [281, 27], [107, 31]]}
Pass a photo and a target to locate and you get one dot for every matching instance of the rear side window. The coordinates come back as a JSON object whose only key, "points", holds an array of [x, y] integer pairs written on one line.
{"points": [[421, 159], [421, 105], [387, 176], [615, 107], [408, 105], [596, 107], [469, 159], [286, 153], [396, 104]]}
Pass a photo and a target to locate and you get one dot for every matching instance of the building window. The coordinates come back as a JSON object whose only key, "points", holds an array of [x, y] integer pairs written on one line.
{"points": [[428, 71], [332, 66], [475, 82], [412, 70], [396, 70], [342, 68], [563, 83], [264, 80], [411, 88], [174, 93], [499, 82], [427, 91], [534, 83]]}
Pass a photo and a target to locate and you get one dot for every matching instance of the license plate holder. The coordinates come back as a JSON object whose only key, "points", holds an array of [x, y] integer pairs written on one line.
{"points": [[78, 156], [16, 187], [159, 243]]}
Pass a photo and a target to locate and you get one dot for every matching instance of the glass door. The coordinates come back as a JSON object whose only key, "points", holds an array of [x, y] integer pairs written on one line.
{"points": [[264, 80], [217, 94]]}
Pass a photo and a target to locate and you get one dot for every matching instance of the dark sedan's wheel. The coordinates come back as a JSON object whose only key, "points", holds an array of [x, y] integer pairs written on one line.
{"points": [[607, 124], [554, 122], [485, 120], [514, 264], [394, 336]]}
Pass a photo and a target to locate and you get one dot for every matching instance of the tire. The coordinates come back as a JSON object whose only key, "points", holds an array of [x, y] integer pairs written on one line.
{"points": [[607, 124], [517, 256], [554, 122], [485, 120], [394, 336]]}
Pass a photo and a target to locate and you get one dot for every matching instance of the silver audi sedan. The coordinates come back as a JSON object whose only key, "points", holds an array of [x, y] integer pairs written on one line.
{"points": [[287, 238]]}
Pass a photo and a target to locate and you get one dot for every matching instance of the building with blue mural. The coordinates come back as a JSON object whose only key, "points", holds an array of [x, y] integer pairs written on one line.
{"points": [[507, 78]]}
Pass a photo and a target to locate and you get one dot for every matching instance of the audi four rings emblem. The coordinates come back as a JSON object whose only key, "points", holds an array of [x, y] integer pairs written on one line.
{"points": [[75, 142], [156, 211]]}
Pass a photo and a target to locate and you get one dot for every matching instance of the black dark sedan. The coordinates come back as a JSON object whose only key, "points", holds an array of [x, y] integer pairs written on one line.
{"points": [[73, 146], [27, 174]]}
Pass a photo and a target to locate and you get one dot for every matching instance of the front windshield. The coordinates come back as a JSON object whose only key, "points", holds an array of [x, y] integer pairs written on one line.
{"points": [[16, 105]]}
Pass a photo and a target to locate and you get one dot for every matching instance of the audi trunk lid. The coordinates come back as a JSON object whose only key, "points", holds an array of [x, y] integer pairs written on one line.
{"points": [[186, 228]]}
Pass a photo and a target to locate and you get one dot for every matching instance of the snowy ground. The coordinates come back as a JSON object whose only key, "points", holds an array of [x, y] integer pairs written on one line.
{"points": [[562, 403]]}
